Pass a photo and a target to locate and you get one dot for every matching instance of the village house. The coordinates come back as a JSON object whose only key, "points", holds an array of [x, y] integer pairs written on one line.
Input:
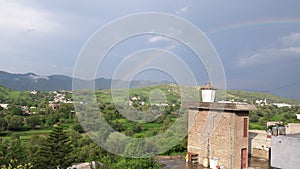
{"points": [[4, 106], [284, 144], [34, 92], [260, 140], [298, 116], [261, 102], [227, 140], [218, 133], [53, 106], [282, 105]]}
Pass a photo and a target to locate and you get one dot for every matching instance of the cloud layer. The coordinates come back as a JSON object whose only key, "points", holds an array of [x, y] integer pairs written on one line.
{"points": [[286, 48]]}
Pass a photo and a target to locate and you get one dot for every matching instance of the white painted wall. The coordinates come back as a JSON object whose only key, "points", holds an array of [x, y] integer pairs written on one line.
{"points": [[208, 95], [285, 152]]}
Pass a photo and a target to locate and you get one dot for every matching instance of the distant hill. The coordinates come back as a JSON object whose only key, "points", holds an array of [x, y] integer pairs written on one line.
{"points": [[31, 81], [251, 97]]}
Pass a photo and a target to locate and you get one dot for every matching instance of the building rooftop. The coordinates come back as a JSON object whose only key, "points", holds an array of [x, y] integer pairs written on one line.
{"points": [[296, 135], [221, 106]]}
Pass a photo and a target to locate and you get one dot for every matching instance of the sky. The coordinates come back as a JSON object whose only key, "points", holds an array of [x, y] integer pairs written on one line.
{"points": [[258, 42]]}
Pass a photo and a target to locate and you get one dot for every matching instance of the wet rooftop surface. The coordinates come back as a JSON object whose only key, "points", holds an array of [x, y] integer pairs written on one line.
{"points": [[179, 163]]}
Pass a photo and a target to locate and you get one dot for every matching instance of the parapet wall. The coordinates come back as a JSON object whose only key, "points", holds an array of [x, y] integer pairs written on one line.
{"points": [[259, 144]]}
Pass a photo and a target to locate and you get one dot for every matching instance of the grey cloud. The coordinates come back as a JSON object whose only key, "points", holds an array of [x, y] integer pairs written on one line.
{"points": [[291, 40], [288, 47]]}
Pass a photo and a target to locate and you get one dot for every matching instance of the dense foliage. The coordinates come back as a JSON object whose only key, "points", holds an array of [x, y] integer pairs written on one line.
{"points": [[264, 114], [36, 135]]}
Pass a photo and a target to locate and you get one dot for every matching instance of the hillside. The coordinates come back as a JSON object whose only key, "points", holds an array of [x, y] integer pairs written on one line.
{"points": [[31, 81], [12, 94], [251, 97]]}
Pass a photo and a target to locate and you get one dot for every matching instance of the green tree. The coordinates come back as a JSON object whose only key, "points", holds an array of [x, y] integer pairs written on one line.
{"points": [[56, 151], [77, 127], [118, 126], [136, 128], [33, 146], [3, 124], [13, 151], [32, 121], [52, 119], [14, 122], [65, 110], [14, 110], [13, 163]]}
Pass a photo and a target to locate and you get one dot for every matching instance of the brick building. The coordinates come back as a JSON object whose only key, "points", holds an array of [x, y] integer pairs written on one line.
{"points": [[219, 130]]}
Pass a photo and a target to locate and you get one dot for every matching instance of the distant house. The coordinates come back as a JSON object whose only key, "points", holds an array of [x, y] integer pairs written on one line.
{"points": [[135, 98], [54, 106], [292, 128], [282, 105], [87, 165], [32, 107], [129, 103], [69, 102], [24, 108], [231, 101], [273, 123], [81, 166], [260, 141], [298, 116], [4, 106], [34, 92], [159, 104], [261, 102]]}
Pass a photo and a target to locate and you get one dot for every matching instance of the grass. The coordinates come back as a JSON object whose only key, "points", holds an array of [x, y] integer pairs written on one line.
{"points": [[254, 126], [26, 135], [146, 126], [149, 126]]}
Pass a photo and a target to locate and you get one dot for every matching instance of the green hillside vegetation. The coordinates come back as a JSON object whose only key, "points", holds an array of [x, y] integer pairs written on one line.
{"points": [[25, 132], [251, 97], [24, 98], [259, 118]]}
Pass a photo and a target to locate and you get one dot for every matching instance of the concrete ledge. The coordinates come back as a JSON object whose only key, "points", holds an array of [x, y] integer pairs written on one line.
{"points": [[221, 106]]}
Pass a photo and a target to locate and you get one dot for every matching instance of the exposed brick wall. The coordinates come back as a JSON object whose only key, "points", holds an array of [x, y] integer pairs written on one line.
{"points": [[220, 144], [240, 140]]}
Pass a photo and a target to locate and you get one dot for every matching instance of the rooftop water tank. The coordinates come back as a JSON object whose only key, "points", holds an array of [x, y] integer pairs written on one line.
{"points": [[208, 93]]}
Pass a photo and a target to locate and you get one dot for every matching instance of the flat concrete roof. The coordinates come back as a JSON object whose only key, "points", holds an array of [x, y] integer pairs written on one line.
{"points": [[221, 106], [296, 135]]}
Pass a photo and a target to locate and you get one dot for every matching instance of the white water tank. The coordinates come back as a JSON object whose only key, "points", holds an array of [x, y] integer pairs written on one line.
{"points": [[208, 95], [213, 162]]}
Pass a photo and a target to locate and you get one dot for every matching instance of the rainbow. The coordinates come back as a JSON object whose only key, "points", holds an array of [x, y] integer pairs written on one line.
{"points": [[256, 23]]}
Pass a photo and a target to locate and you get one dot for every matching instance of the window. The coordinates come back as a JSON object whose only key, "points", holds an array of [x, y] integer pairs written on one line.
{"points": [[245, 127]]}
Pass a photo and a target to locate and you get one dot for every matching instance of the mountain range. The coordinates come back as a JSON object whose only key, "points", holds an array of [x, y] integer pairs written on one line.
{"points": [[32, 81]]}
